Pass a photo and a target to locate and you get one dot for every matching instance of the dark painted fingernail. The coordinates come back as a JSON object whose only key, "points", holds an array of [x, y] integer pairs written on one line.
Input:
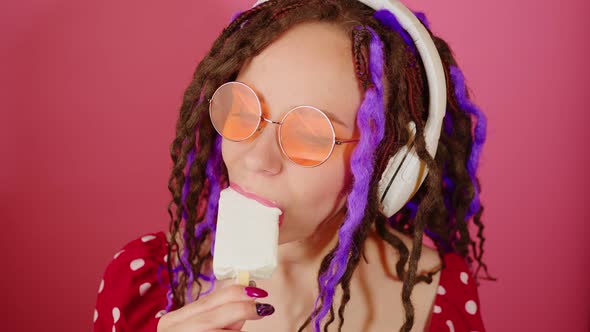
{"points": [[264, 309], [252, 283], [255, 292]]}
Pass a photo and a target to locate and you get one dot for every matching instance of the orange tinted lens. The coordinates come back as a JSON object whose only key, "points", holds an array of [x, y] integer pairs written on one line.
{"points": [[235, 111], [307, 136]]}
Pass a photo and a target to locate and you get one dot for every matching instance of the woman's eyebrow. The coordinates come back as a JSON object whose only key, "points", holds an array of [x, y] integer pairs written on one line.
{"points": [[329, 114]]}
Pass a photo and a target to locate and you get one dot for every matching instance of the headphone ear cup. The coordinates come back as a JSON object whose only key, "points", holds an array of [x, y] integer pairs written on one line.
{"points": [[402, 177]]}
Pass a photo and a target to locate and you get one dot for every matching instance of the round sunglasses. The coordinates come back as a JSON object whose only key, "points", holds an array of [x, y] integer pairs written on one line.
{"points": [[306, 134]]}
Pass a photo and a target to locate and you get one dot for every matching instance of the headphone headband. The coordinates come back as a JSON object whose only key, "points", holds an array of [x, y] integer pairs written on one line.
{"points": [[405, 172]]}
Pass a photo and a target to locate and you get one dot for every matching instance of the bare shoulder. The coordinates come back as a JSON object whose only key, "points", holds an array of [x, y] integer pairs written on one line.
{"points": [[378, 303], [388, 256]]}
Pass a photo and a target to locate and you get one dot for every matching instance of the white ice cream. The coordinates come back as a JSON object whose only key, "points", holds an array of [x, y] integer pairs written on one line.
{"points": [[247, 237]]}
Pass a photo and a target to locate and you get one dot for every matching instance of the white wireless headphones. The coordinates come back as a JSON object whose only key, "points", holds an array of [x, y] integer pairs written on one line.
{"points": [[405, 172]]}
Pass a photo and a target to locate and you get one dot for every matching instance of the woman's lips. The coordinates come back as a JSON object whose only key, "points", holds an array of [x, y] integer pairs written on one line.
{"points": [[261, 200]]}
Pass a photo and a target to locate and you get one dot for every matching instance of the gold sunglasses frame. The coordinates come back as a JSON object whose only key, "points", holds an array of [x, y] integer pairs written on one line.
{"points": [[335, 140]]}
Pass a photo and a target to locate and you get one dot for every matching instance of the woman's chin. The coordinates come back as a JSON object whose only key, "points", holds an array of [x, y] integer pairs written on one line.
{"points": [[287, 236]]}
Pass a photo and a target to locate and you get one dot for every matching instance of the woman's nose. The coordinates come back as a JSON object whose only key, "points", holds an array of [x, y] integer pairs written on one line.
{"points": [[264, 155]]}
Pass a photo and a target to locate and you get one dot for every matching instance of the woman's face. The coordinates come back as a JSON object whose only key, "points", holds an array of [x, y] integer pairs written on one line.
{"points": [[310, 64]]}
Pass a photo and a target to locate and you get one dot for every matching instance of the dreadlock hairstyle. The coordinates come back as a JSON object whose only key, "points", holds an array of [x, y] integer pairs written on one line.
{"points": [[395, 86]]}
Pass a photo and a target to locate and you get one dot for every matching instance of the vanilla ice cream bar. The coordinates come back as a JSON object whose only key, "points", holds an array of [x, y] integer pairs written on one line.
{"points": [[246, 239]]}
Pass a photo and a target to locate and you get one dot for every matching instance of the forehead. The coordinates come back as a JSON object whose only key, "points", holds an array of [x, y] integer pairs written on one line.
{"points": [[310, 64]]}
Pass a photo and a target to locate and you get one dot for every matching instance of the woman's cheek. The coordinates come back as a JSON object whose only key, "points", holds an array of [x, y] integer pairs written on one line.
{"points": [[320, 194]]}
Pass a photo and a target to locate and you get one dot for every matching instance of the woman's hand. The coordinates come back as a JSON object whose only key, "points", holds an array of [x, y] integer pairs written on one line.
{"points": [[225, 309]]}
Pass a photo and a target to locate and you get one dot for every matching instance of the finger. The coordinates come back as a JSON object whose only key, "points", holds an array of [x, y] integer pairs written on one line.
{"points": [[232, 314], [226, 330], [233, 293], [236, 326]]}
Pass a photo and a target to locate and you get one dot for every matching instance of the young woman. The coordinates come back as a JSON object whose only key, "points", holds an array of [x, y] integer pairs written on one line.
{"points": [[327, 90]]}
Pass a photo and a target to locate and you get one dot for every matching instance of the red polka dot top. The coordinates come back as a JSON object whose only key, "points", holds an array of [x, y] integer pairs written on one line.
{"points": [[132, 293]]}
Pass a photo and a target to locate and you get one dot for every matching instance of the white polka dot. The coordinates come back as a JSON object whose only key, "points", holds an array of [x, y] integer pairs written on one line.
{"points": [[166, 258], [441, 290], [136, 264], [160, 313], [471, 307], [101, 286], [95, 316], [116, 315], [114, 329], [144, 288], [437, 309], [147, 238], [464, 277], [451, 326], [117, 254]]}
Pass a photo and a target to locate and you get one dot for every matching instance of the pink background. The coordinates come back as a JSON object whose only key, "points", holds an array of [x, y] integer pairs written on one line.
{"points": [[90, 93]]}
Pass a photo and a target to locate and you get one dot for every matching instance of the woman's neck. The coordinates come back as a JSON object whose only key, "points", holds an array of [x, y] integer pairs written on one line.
{"points": [[298, 261], [305, 256]]}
